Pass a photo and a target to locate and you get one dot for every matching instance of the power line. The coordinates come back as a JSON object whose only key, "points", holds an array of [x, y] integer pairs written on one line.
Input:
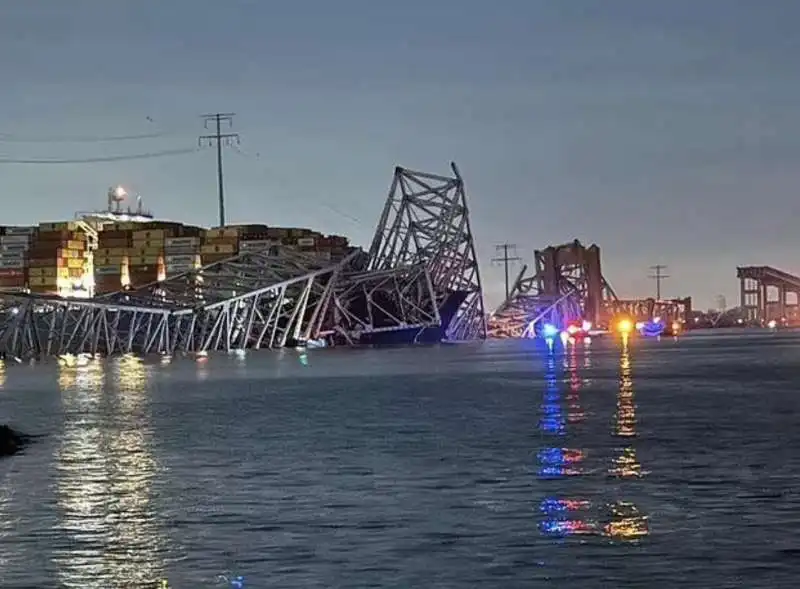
{"points": [[506, 259], [658, 277], [219, 139], [17, 138], [9, 138], [109, 158]]}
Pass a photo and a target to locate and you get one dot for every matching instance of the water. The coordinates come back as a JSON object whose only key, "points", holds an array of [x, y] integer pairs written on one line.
{"points": [[658, 464]]}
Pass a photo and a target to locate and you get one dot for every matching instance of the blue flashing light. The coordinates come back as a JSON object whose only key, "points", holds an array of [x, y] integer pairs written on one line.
{"points": [[652, 329], [549, 331]]}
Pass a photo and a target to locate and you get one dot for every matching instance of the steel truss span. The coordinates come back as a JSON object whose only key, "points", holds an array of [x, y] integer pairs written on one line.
{"points": [[420, 274], [426, 222]]}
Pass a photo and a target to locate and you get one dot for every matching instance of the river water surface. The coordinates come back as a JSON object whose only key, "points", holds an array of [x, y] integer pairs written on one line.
{"points": [[503, 465]]}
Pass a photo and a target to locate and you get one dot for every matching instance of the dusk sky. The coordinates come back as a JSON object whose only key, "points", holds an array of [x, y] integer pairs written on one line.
{"points": [[664, 131]]}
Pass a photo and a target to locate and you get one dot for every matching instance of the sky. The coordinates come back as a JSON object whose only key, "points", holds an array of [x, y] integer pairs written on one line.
{"points": [[665, 132]]}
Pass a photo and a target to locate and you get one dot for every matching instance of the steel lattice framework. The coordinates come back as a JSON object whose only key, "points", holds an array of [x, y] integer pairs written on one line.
{"points": [[422, 256], [426, 222], [567, 284]]}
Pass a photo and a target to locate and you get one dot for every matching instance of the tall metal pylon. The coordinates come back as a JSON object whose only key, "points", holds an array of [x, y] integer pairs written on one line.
{"points": [[219, 139]]}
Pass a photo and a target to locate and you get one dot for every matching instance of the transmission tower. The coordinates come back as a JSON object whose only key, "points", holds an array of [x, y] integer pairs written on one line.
{"points": [[505, 259], [219, 139], [658, 276]]}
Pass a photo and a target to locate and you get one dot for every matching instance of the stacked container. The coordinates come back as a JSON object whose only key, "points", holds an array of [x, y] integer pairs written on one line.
{"points": [[182, 254], [334, 247], [111, 260], [146, 255], [255, 238], [56, 261], [219, 244], [14, 245]]}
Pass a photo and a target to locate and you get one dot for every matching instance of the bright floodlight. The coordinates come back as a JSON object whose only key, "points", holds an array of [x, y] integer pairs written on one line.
{"points": [[625, 326]]}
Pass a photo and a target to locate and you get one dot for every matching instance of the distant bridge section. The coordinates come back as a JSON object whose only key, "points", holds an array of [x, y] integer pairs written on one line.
{"points": [[767, 294]]}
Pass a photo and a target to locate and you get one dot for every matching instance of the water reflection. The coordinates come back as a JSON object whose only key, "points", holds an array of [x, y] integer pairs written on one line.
{"points": [[105, 471], [626, 522], [561, 516]]}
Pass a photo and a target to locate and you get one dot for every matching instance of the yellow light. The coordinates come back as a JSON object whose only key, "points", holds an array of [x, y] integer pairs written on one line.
{"points": [[625, 326], [676, 326]]}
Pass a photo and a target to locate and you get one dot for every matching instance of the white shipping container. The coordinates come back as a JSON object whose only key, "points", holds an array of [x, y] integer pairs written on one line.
{"points": [[171, 260], [107, 270], [305, 241], [15, 248], [182, 251], [260, 244], [17, 254], [15, 239], [181, 242], [12, 263], [14, 231]]}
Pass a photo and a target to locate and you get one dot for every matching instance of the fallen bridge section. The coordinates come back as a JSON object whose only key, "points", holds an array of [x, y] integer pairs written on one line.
{"points": [[258, 300]]}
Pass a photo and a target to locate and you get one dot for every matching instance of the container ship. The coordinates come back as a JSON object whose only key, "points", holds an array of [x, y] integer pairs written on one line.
{"points": [[123, 247]]}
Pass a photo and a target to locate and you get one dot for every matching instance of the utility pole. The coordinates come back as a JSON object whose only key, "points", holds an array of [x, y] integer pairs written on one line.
{"points": [[658, 277], [219, 139], [506, 259]]}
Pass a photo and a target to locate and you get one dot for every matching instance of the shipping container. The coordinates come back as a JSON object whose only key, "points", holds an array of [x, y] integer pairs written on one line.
{"points": [[107, 270], [277, 232], [221, 241], [145, 251], [11, 272], [38, 253], [62, 235], [228, 249], [114, 234], [152, 234], [182, 251], [171, 242], [19, 230], [110, 260], [13, 254], [145, 260], [15, 239], [207, 259], [7, 284], [181, 259], [298, 232], [111, 251], [305, 241], [139, 244], [113, 243], [43, 280], [221, 233], [258, 244], [59, 226], [12, 262]]}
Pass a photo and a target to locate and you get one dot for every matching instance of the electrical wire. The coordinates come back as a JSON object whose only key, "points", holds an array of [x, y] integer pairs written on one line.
{"points": [[9, 138], [162, 132], [110, 158]]}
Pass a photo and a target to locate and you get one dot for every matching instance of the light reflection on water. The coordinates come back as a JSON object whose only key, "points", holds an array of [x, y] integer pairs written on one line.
{"points": [[562, 517], [105, 469], [627, 523]]}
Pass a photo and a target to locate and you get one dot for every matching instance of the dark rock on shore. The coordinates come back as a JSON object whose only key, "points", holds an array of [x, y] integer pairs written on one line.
{"points": [[11, 442]]}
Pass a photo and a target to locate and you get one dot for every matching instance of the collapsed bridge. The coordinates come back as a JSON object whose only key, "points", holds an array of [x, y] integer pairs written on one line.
{"points": [[419, 281], [567, 285]]}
